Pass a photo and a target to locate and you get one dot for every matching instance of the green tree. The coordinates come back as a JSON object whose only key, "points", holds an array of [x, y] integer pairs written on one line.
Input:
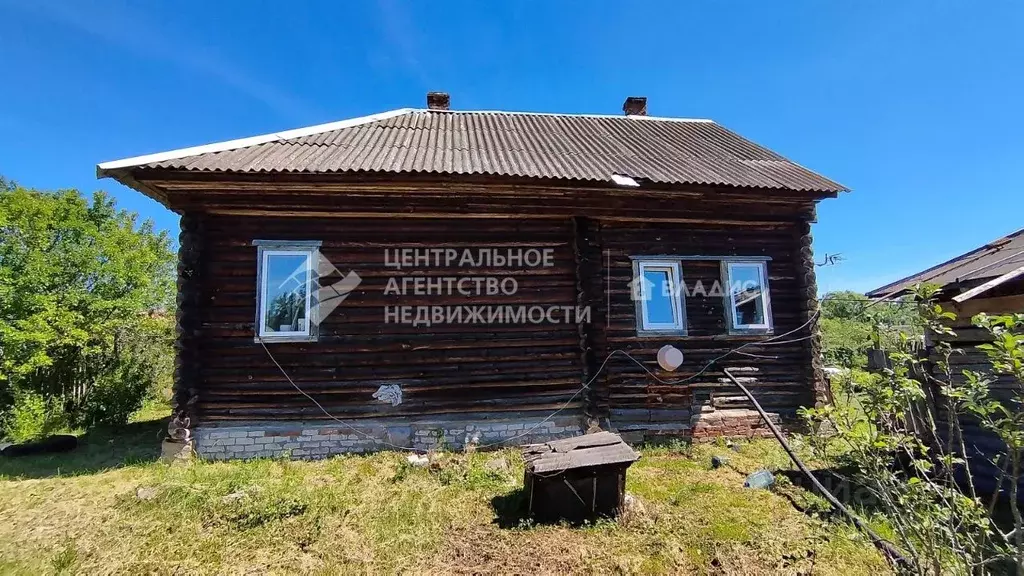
{"points": [[1001, 413], [851, 323], [845, 305], [899, 435], [84, 288]]}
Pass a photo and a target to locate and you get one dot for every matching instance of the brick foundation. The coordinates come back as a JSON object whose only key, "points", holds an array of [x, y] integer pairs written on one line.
{"points": [[324, 438], [706, 423], [730, 423]]}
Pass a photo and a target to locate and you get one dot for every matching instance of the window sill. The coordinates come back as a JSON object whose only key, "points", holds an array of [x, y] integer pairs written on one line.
{"points": [[751, 331], [284, 339], [661, 333]]}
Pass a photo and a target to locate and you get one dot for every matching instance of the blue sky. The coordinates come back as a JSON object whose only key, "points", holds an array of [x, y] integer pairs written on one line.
{"points": [[917, 106]]}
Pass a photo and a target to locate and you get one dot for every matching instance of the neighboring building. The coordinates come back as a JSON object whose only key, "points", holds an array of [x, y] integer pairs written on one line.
{"points": [[988, 279], [486, 269], [995, 270]]}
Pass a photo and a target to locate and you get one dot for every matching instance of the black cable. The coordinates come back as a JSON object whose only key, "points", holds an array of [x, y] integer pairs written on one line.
{"points": [[887, 548]]}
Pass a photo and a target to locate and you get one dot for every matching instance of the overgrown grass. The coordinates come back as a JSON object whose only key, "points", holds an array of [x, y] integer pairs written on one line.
{"points": [[85, 513]]}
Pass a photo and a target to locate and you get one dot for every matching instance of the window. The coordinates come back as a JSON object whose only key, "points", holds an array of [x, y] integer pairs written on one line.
{"points": [[748, 305], [658, 293], [286, 290]]}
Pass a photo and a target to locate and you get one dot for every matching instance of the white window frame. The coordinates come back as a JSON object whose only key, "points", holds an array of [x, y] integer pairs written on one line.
{"points": [[730, 300], [678, 298], [268, 249]]}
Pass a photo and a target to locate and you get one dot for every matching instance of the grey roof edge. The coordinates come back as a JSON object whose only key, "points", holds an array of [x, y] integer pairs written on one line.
{"points": [[903, 284], [106, 168], [839, 186], [574, 115], [124, 176]]}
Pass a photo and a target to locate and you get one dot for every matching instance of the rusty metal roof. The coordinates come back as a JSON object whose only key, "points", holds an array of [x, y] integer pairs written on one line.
{"points": [[515, 144], [992, 260]]}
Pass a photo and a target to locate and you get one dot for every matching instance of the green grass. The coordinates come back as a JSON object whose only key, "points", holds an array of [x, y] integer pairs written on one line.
{"points": [[152, 409], [81, 513]]}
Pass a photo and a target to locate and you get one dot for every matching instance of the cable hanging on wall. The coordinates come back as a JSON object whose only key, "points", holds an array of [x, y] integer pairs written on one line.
{"points": [[770, 341]]}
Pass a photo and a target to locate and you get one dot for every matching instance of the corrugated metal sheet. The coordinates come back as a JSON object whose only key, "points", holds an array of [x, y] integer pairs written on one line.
{"points": [[572, 147], [989, 261]]}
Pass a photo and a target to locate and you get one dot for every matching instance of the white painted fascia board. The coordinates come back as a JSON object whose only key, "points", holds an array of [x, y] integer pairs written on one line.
{"points": [[103, 168], [989, 285]]}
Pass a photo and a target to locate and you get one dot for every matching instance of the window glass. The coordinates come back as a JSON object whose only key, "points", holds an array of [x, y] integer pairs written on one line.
{"points": [[660, 307], [285, 293], [748, 295], [659, 301]]}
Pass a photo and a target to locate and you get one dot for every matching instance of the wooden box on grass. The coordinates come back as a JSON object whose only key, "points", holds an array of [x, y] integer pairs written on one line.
{"points": [[577, 479]]}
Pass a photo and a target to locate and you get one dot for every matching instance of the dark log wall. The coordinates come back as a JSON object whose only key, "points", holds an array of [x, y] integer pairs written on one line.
{"points": [[448, 369], [779, 376], [982, 445], [590, 279], [442, 368], [188, 324]]}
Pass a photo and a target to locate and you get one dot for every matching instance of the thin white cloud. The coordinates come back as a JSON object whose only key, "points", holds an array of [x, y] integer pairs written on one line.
{"points": [[118, 26], [402, 36]]}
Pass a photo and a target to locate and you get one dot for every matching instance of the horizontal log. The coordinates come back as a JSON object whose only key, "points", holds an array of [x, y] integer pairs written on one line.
{"points": [[449, 369]]}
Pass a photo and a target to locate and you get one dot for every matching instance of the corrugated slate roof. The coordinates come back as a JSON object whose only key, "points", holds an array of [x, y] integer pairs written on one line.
{"points": [[989, 261], [515, 144]]}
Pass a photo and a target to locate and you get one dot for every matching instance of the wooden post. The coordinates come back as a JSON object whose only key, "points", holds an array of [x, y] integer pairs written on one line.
{"points": [[587, 257]]}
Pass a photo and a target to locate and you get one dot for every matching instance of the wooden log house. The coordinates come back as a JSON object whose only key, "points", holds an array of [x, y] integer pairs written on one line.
{"points": [[988, 279], [479, 268]]}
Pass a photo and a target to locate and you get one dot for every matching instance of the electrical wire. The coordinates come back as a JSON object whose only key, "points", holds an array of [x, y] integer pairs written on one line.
{"points": [[586, 386], [884, 545], [870, 303], [324, 410]]}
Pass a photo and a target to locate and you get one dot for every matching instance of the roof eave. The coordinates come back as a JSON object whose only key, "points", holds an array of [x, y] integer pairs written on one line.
{"points": [[139, 177], [127, 178], [179, 153]]}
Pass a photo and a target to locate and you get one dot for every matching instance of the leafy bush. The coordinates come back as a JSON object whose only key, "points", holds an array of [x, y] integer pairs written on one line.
{"points": [[140, 370], [851, 324], [85, 299], [845, 342], [115, 396], [32, 416], [899, 433]]}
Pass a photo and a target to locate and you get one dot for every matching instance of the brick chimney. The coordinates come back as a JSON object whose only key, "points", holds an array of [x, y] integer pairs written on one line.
{"points": [[635, 106], [438, 100]]}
